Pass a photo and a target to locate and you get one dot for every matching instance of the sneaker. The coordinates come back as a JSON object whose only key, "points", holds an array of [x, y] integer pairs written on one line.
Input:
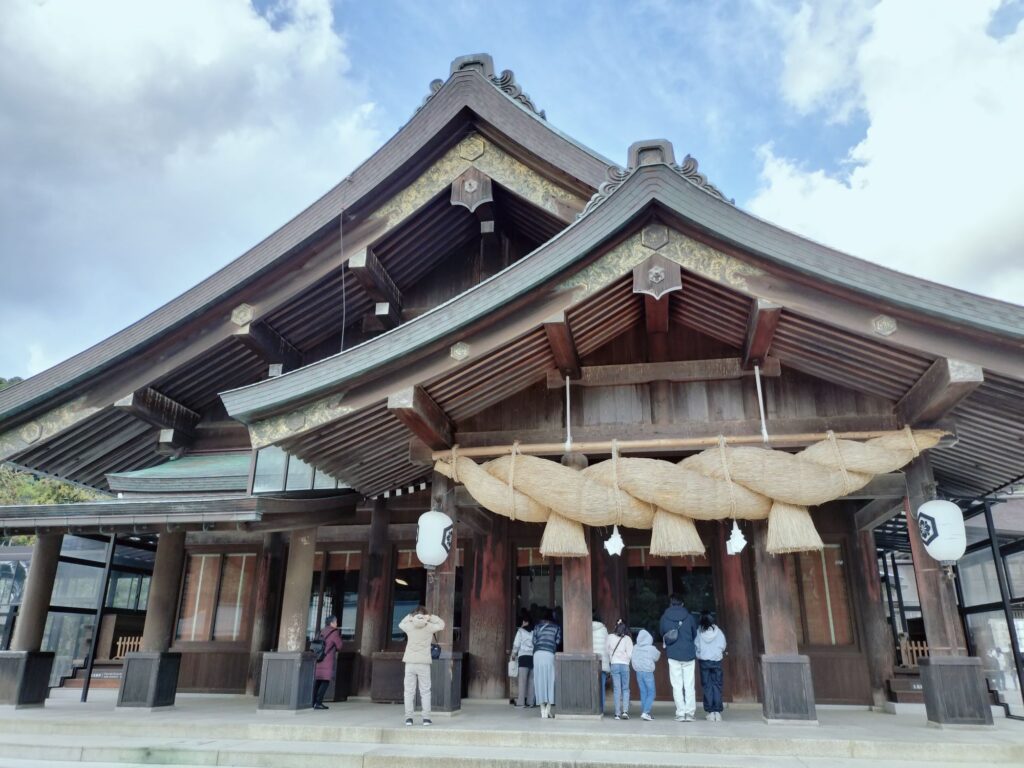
{"points": [[680, 719], [646, 716], [408, 721], [710, 716], [689, 717], [427, 721], [718, 717], [618, 717], [625, 715]]}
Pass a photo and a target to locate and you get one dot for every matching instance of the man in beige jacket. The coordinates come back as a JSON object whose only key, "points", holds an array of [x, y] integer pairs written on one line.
{"points": [[419, 627]]}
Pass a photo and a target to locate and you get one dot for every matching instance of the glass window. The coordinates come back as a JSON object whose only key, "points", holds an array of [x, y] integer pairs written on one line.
{"points": [[978, 580], [341, 593], [236, 579], [270, 469], [81, 548], [128, 556], [128, 591], [68, 636], [195, 619], [76, 585], [1015, 574], [13, 574], [991, 639], [410, 590]]}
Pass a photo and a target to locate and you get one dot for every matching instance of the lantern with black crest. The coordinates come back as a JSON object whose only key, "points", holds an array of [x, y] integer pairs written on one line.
{"points": [[433, 538], [941, 525]]}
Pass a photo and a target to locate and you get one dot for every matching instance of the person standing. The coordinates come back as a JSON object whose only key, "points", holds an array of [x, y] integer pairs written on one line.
{"points": [[419, 627], [710, 650], [679, 633], [600, 632], [522, 652], [620, 651], [546, 637], [327, 660], [645, 657]]}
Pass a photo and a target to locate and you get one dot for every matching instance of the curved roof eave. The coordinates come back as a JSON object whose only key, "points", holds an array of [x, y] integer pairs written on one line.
{"points": [[464, 89], [605, 216]]}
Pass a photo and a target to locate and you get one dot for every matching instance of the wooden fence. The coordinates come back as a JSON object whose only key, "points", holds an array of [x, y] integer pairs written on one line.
{"points": [[127, 644]]}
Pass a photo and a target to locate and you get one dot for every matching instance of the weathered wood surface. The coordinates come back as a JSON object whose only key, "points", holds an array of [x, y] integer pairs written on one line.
{"points": [[374, 593], [944, 385], [424, 418], [577, 605], [734, 586], [876, 512], [159, 410], [876, 636], [657, 276], [441, 583], [268, 344], [473, 190], [645, 373], [563, 347], [489, 611], [266, 600], [761, 325], [775, 603]]}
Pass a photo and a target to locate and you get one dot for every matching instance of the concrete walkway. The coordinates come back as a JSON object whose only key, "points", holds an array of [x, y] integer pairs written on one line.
{"points": [[229, 731]]}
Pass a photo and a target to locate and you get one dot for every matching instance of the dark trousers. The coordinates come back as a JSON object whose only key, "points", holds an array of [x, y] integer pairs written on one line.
{"points": [[711, 683], [320, 690]]}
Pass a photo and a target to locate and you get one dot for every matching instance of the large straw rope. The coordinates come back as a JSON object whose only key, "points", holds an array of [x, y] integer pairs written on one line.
{"points": [[719, 483]]}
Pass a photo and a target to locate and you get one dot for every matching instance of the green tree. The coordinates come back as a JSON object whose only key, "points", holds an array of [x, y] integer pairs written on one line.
{"points": [[8, 382]]}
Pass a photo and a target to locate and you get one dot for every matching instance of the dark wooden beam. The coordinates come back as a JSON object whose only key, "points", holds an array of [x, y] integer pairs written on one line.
{"points": [[563, 349], [473, 190], [761, 324], [159, 410], [889, 486], [656, 314], [939, 390], [644, 373], [374, 279], [389, 315], [172, 443], [424, 418], [269, 345], [876, 512]]}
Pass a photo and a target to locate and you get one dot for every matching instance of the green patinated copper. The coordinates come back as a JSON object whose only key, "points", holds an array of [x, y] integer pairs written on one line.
{"points": [[34, 432]]}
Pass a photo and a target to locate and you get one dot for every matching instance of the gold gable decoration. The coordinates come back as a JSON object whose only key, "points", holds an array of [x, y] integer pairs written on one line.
{"points": [[720, 483]]}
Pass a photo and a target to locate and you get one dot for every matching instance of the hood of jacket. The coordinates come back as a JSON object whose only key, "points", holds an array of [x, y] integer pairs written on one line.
{"points": [[710, 635], [644, 638], [676, 613]]}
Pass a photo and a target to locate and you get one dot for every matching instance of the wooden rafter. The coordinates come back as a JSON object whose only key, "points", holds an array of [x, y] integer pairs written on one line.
{"points": [[159, 410], [269, 345], [423, 417], [375, 280], [563, 347], [761, 324], [939, 390], [876, 512]]}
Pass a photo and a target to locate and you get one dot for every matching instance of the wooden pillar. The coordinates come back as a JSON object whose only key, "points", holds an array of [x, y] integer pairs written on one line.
{"points": [[162, 604], [787, 688], [609, 581], [734, 616], [374, 593], [577, 605], [298, 583], [489, 610], [268, 598], [867, 596], [441, 582], [942, 625], [31, 621]]}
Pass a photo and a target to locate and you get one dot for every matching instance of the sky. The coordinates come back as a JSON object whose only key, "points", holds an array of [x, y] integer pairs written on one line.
{"points": [[145, 145]]}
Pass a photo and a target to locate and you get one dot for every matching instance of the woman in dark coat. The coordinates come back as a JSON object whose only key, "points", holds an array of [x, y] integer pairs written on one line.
{"points": [[326, 668]]}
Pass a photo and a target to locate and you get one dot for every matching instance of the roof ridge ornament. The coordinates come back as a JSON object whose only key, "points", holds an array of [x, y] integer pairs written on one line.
{"points": [[484, 64], [653, 152]]}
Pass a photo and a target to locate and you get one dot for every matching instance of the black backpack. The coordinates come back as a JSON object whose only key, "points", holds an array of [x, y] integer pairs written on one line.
{"points": [[319, 648]]}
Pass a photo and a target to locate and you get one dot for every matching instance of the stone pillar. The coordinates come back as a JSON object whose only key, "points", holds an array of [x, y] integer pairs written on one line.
{"points": [[488, 608], [867, 596], [954, 686], [286, 680], [446, 673], [740, 666], [374, 593], [787, 689], [25, 670], [150, 677], [268, 598]]}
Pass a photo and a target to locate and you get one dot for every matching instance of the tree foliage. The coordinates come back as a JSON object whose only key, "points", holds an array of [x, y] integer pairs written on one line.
{"points": [[24, 488], [8, 382]]}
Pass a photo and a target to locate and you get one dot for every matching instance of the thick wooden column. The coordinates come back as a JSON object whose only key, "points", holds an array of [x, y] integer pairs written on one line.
{"points": [[489, 610], [577, 605], [787, 689], [441, 583], [942, 625], [374, 593], [734, 616], [268, 597], [867, 595], [25, 670], [609, 580], [149, 677]]}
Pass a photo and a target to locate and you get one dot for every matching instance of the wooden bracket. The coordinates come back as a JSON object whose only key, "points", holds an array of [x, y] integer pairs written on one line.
{"points": [[563, 348], [159, 410], [761, 324], [876, 512], [269, 345], [657, 276], [473, 191], [423, 417], [938, 391], [374, 279]]}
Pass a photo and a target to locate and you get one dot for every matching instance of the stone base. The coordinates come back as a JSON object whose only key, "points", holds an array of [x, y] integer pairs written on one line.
{"points": [[387, 680], [286, 680], [25, 678], [788, 690], [149, 679], [577, 685], [955, 693]]}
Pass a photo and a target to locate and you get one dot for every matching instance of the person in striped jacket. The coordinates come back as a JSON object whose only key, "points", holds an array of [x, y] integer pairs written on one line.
{"points": [[546, 637]]}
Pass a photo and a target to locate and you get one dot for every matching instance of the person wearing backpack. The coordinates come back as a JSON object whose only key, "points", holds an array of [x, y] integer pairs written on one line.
{"points": [[678, 634], [419, 627], [645, 657], [522, 653], [620, 651], [325, 647], [710, 650]]}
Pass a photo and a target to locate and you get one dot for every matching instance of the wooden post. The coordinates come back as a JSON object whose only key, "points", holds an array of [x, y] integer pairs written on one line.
{"points": [[268, 597], [441, 583], [298, 584], [489, 612], [609, 580], [734, 616], [942, 625], [787, 688], [374, 593], [577, 605], [867, 595], [163, 592]]}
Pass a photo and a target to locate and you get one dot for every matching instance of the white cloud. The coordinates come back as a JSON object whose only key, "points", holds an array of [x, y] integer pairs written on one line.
{"points": [[935, 186], [145, 145]]}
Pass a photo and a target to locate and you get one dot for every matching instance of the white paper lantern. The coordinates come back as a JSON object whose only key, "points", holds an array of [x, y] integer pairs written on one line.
{"points": [[941, 524], [434, 538]]}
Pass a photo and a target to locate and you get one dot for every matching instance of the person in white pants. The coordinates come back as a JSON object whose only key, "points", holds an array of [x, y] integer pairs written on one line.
{"points": [[678, 633]]}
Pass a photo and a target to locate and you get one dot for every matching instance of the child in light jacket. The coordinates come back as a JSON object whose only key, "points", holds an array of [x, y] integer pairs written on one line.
{"points": [[620, 651], [710, 650], [645, 656]]}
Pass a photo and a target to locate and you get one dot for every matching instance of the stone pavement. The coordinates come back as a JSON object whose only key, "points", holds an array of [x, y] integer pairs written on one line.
{"points": [[228, 731]]}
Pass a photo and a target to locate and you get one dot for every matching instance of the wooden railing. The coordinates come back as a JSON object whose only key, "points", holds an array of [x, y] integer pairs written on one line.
{"points": [[127, 644], [911, 651]]}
